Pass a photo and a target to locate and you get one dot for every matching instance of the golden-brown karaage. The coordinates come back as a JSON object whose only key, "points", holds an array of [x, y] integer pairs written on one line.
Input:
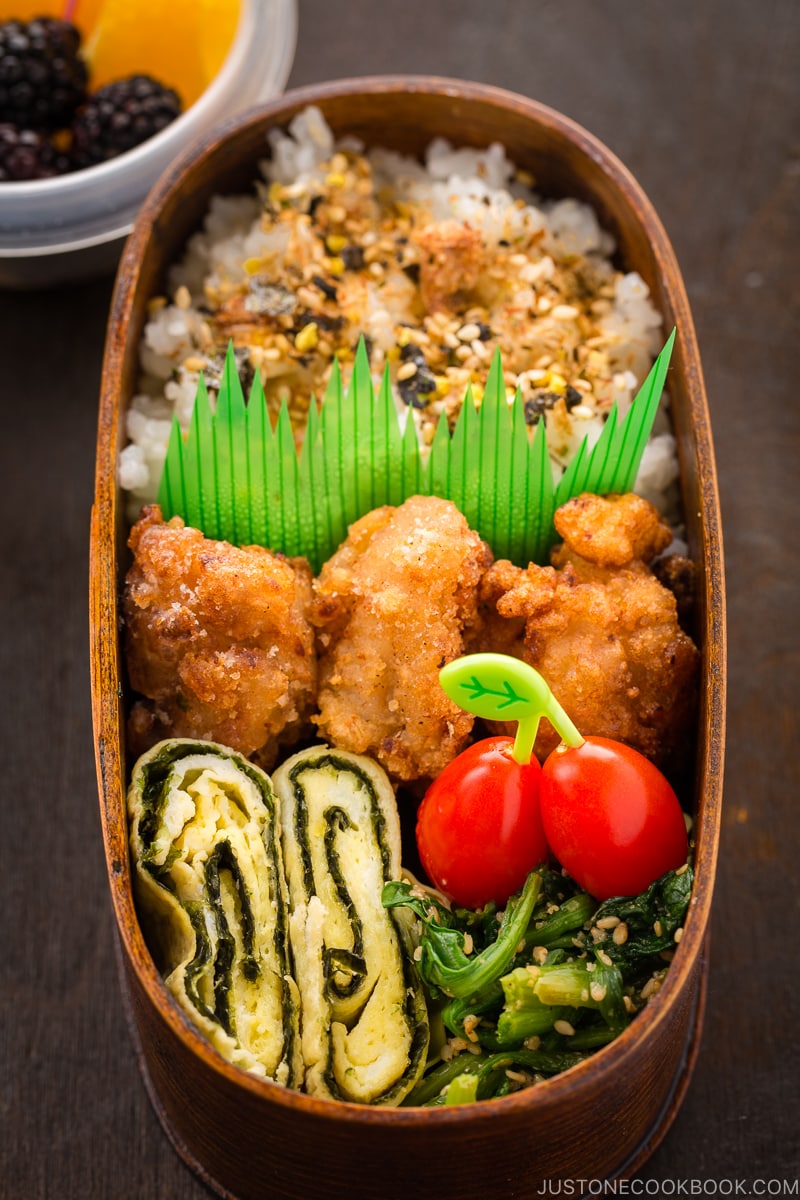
{"points": [[599, 626], [217, 640], [391, 607]]}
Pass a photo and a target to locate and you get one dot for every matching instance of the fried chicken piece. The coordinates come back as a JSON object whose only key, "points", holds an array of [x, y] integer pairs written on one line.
{"points": [[451, 261], [600, 627], [612, 531], [391, 607], [679, 574], [217, 639]]}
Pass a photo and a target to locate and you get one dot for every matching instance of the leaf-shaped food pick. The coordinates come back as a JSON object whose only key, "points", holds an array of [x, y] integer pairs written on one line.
{"points": [[236, 478], [498, 687]]}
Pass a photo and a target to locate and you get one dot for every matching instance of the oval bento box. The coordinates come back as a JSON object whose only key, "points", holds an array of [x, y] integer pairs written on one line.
{"points": [[246, 1137]]}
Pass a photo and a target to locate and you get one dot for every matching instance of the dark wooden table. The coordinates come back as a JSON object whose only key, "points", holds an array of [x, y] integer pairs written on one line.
{"points": [[701, 99]]}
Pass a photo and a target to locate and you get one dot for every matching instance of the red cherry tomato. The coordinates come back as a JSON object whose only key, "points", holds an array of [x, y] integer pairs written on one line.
{"points": [[479, 832], [610, 817]]}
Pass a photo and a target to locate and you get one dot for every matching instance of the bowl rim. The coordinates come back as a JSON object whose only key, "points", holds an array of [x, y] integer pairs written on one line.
{"points": [[605, 1063]]}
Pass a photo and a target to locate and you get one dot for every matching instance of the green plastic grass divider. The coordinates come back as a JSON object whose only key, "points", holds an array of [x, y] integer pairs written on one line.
{"points": [[236, 478]]}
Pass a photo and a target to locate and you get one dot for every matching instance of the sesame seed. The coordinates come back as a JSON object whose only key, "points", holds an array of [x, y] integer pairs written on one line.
{"points": [[183, 297], [307, 297], [620, 934], [468, 332], [658, 929], [194, 363], [564, 1028], [608, 922], [533, 1042], [470, 1024], [564, 312], [598, 992], [517, 1076], [406, 371], [650, 988], [468, 943], [682, 870], [678, 934], [604, 958]]}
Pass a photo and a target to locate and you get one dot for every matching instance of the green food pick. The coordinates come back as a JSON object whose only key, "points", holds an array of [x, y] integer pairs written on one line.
{"points": [[498, 687]]}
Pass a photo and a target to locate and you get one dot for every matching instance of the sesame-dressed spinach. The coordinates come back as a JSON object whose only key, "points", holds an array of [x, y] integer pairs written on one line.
{"points": [[651, 921], [526, 993]]}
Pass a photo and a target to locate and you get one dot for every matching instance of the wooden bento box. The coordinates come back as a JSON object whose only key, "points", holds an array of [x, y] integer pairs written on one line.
{"points": [[249, 1138]]}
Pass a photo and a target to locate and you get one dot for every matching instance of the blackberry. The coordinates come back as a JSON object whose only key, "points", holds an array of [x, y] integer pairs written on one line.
{"points": [[119, 116], [43, 79], [28, 154]]}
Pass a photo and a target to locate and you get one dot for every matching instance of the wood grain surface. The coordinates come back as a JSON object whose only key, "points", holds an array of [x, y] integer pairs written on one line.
{"points": [[701, 101]]}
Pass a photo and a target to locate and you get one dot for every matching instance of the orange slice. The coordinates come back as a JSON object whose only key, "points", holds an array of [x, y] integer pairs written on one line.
{"points": [[25, 10], [182, 44], [82, 12], [85, 14], [217, 20]]}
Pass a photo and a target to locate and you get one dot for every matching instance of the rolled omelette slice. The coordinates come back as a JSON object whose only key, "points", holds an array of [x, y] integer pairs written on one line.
{"points": [[364, 1019], [205, 840]]}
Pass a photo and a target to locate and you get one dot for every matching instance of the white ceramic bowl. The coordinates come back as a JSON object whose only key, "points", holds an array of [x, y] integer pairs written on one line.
{"points": [[73, 227]]}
